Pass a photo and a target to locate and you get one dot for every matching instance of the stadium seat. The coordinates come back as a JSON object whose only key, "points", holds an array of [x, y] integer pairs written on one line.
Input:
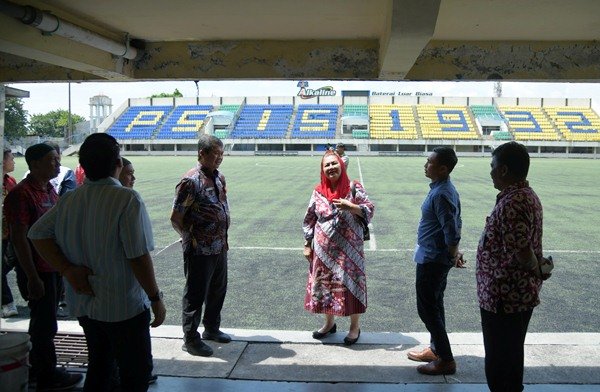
{"points": [[138, 122], [315, 121], [450, 122], [446, 122], [502, 135], [230, 108], [392, 122], [485, 111], [222, 133], [355, 110], [263, 122], [184, 122], [576, 123], [529, 123]]}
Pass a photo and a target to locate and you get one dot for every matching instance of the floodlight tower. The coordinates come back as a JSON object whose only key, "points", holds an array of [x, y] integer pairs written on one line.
{"points": [[100, 108], [498, 89]]}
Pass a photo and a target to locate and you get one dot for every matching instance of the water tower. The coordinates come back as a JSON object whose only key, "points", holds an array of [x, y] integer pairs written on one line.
{"points": [[100, 108]]}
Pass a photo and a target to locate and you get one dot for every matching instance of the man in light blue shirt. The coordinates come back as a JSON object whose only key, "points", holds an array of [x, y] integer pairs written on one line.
{"points": [[436, 252], [99, 238]]}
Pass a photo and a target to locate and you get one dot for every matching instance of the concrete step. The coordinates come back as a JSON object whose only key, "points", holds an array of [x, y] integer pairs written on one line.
{"points": [[378, 360]]}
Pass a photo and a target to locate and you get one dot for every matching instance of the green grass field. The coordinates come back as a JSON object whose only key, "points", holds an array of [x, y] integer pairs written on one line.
{"points": [[267, 273]]}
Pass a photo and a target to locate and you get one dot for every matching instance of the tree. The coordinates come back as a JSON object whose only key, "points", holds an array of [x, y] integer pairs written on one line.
{"points": [[15, 119], [175, 93], [54, 123]]}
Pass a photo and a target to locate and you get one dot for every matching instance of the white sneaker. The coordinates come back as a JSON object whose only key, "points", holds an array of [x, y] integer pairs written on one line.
{"points": [[9, 310]]}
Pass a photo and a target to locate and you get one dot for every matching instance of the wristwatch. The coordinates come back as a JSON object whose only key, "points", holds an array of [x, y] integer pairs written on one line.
{"points": [[156, 297]]}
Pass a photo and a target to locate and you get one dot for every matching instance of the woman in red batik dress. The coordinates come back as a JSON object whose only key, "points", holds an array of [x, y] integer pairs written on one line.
{"points": [[333, 234]]}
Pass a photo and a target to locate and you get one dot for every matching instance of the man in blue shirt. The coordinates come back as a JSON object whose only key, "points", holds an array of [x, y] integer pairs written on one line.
{"points": [[436, 252]]}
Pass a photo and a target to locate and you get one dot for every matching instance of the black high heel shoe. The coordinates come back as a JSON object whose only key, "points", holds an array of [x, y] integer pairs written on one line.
{"points": [[321, 335], [349, 341]]}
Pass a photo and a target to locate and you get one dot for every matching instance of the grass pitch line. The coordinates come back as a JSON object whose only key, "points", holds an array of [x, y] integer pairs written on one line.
{"points": [[372, 241], [550, 251], [546, 252], [167, 247], [594, 252]]}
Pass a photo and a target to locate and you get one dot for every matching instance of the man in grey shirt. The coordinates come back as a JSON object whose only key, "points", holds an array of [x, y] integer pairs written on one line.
{"points": [[99, 238]]}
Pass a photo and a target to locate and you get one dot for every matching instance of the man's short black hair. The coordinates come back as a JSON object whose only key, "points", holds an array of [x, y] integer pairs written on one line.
{"points": [[207, 142], [36, 152], [99, 155], [516, 158], [447, 157], [54, 145]]}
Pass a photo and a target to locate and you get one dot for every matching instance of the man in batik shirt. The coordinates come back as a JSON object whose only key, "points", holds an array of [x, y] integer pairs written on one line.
{"points": [[201, 216], [508, 270], [24, 205]]}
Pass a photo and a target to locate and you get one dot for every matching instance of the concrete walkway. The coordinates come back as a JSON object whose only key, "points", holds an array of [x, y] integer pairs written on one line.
{"points": [[259, 360]]}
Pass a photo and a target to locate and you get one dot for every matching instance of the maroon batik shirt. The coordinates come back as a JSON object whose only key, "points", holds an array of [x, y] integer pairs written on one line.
{"points": [[25, 204], [514, 224], [203, 202]]}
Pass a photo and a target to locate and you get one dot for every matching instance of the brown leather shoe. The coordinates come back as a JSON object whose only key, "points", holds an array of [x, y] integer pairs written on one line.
{"points": [[426, 355], [438, 367]]}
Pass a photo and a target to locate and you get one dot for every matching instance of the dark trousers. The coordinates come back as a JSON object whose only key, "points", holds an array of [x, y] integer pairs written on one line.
{"points": [[7, 296], [9, 261], [205, 284], [42, 329], [126, 341], [7, 266], [430, 284], [21, 277], [503, 340]]}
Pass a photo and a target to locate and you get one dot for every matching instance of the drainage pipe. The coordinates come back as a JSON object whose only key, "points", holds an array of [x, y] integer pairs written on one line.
{"points": [[50, 24]]}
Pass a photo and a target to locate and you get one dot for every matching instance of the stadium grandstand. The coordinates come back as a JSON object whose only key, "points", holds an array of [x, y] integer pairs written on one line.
{"points": [[369, 125]]}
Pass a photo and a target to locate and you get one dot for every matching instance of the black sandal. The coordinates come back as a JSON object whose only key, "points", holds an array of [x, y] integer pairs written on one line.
{"points": [[349, 341], [321, 335]]}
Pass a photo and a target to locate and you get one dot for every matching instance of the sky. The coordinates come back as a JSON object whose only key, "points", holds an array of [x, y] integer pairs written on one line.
{"points": [[45, 97]]}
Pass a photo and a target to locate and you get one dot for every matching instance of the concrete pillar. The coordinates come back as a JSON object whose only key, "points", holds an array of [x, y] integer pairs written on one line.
{"points": [[2, 102]]}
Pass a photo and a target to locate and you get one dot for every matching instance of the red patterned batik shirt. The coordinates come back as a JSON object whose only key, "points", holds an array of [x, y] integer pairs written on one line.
{"points": [[514, 224], [203, 202], [25, 204]]}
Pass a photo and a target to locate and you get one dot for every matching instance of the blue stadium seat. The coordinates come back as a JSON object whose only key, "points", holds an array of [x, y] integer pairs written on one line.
{"points": [[263, 122], [315, 121], [139, 122], [184, 122]]}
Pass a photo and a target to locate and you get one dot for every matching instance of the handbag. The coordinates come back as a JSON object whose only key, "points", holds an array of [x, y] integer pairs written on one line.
{"points": [[361, 219]]}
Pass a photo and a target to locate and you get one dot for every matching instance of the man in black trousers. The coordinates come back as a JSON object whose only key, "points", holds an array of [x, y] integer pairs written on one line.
{"points": [[436, 252], [201, 216]]}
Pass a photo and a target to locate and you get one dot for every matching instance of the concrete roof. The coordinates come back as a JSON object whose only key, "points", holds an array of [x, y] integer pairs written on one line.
{"points": [[309, 39]]}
